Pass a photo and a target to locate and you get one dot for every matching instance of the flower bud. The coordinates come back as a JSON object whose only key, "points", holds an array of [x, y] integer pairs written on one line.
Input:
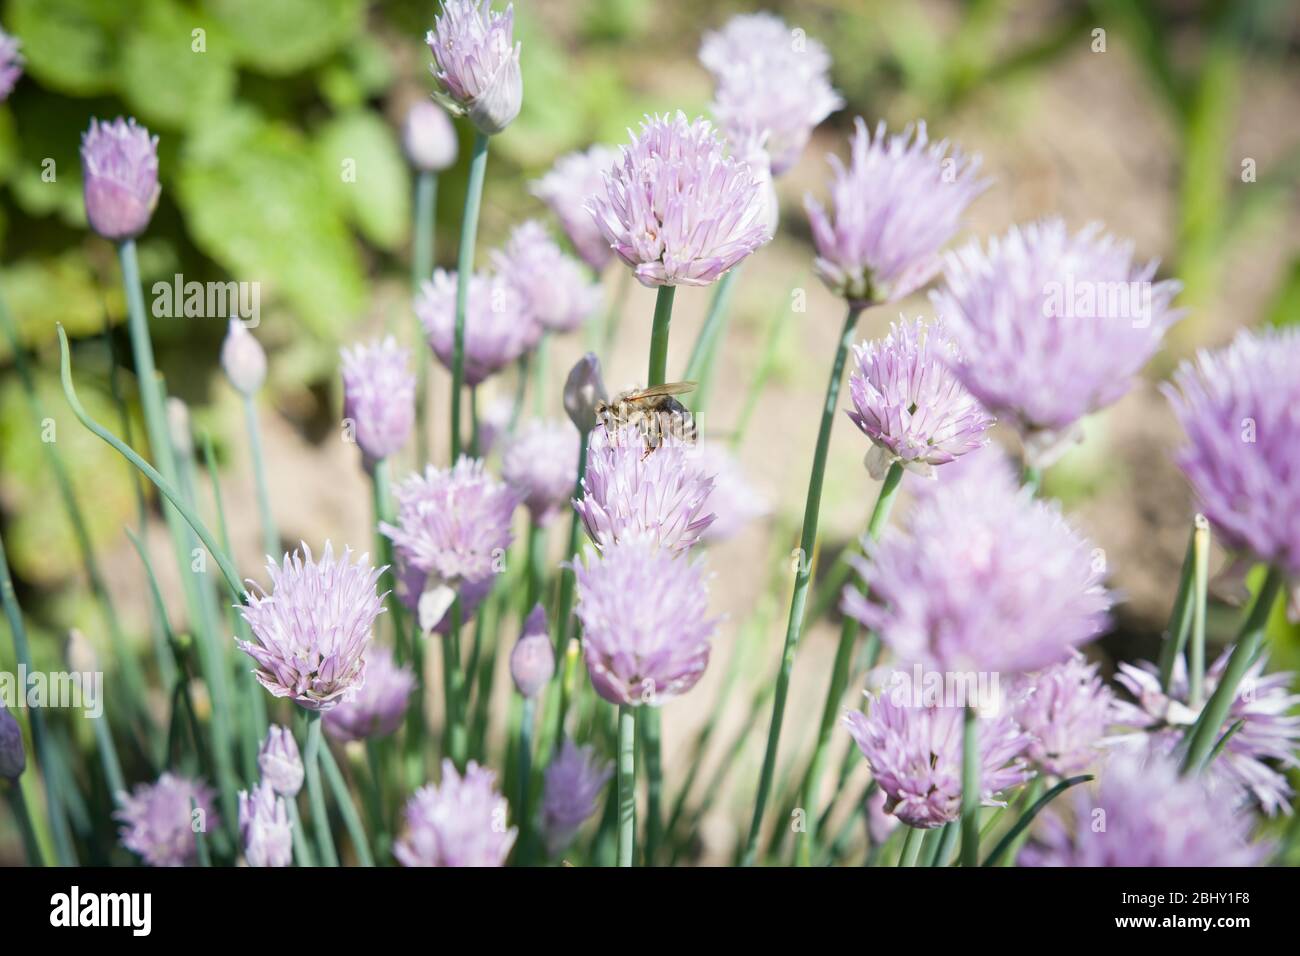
{"points": [[532, 662], [476, 63], [119, 166], [13, 759], [583, 391], [243, 359], [280, 762], [428, 138]]}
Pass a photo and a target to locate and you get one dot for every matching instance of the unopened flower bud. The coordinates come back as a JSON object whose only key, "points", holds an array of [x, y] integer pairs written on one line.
{"points": [[119, 165], [428, 138], [532, 662], [280, 762], [243, 359], [583, 391], [13, 759]]}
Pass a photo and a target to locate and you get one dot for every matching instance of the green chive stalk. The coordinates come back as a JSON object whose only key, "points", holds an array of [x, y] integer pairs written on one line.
{"points": [[422, 258], [803, 578], [465, 269], [568, 582], [705, 351], [270, 537], [1200, 585], [348, 809], [18, 804], [1201, 738], [626, 784], [970, 790], [320, 816], [911, 846], [1180, 620]]}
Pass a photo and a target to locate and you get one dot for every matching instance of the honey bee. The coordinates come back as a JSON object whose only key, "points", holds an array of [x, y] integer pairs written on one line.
{"points": [[653, 410]]}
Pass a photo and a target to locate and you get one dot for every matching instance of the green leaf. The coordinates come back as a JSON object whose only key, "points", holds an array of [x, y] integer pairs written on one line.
{"points": [[285, 36], [60, 288], [362, 163], [254, 206], [164, 78], [70, 45]]}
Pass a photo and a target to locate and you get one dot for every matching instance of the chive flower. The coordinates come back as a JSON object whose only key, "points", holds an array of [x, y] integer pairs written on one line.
{"points": [[476, 63], [574, 179], [460, 822], [158, 824], [119, 168], [379, 396], [378, 708]]}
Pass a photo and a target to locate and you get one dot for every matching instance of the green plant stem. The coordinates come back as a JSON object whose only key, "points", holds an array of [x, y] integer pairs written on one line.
{"points": [[301, 848], [766, 365], [564, 614], [455, 741], [320, 816], [422, 258], [348, 809], [41, 740], [626, 784], [659, 336], [1205, 732], [1200, 586], [840, 675], [18, 804], [200, 839], [381, 488], [1012, 840], [911, 846], [615, 313], [525, 755], [1180, 618], [650, 735], [464, 272], [705, 351], [270, 537], [970, 790], [803, 577]]}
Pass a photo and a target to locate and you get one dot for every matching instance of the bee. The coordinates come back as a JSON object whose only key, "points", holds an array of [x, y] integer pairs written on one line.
{"points": [[653, 410]]}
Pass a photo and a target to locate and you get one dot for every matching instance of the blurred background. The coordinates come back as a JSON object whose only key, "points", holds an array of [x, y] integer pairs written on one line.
{"points": [[1170, 121]]}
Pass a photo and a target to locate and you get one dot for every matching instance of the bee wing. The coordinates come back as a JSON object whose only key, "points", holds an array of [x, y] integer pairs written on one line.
{"points": [[668, 388]]}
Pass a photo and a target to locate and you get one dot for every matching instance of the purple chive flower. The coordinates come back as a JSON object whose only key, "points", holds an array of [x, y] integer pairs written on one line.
{"points": [[1051, 326], [626, 492], [984, 578], [539, 462], [1066, 710], [13, 758], [119, 166], [1238, 408], [311, 631], [265, 827], [11, 64], [476, 63], [428, 138], [769, 84], [915, 755], [896, 204], [676, 208], [1144, 813], [280, 761], [532, 662], [453, 526], [462, 822], [243, 359], [554, 287], [158, 824], [379, 396], [379, 708], [574, 179], [645, 624], [584, 390], [497, 327], [1270, 729], [573, 784], [735, 502], [908, 401]]}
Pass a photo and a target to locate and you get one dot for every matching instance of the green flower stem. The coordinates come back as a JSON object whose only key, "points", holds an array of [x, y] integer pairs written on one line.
{"points": [[270, 537], [650, 736], [200, 839], [320, 816], [455, 740], [626, 784], [659, 336], [1200, 585], [343, 799], [536, 562], [763, 371], [911, 846], [1014, 837], [108, 758], [18, 804], [1180, 619], [568, 582], [948, 840], [123, 658], [41, 739], [464, 271], [1204, 733], [422, 257], [301, 848], [704, 353], [381, 487], [840, 675], [524, 752], [970, 790], [803, 578]]}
